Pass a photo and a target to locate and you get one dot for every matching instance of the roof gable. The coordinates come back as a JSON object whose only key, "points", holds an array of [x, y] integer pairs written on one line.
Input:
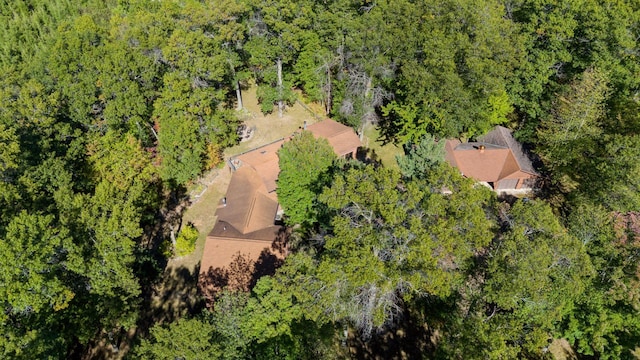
{"points": [[485, 165], [502, 136], [341, 137], [248, 207], [494, 157], [265, 162]]}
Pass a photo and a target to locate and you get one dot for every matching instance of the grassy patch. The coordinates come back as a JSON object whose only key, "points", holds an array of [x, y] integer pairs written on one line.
{"points": [[202, 215], [268, 128], [560, 349], [386, 153]]}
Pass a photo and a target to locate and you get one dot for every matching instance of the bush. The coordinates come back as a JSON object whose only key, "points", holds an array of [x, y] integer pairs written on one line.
{"points": [[186, 240], [214, 155]]}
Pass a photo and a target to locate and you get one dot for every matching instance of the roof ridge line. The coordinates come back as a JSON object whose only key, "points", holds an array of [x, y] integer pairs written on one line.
{"points": [[248, 217]]}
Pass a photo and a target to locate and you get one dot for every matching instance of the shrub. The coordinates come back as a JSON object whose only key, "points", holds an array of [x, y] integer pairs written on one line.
{"points": [[186, 240]]}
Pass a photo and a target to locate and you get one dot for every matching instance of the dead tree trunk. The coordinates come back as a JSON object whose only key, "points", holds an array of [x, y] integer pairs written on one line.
{"points": [[366, 107], [173, 236], [327, 102], [238, 95], [280, 88], [236, 84]]}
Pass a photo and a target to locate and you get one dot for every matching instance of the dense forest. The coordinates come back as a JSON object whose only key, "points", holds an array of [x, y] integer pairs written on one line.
{"points": [[109, 109]]}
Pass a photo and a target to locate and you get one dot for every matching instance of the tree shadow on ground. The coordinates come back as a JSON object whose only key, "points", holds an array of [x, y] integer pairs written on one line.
{"points": [[175, 297], [368, 156], [411, 338], [166, 294]]}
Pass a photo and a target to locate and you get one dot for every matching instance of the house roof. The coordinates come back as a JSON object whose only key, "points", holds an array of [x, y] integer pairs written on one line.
{"points": [[219, 252], [249, 207], [502, 136], [265, 162], [227, 262], [341, 137], [245, 227], [264, 159], [495, 156]]}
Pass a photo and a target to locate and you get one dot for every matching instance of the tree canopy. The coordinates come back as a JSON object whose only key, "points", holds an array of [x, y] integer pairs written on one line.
{"points": [[304, 170], [110, 109]]}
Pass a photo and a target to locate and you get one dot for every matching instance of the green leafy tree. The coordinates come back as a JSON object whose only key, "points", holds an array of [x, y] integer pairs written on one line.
{"points": [[183, 339], [536, 272], [106, 225], [188, 110], [277, 324], [180, 146], [73, 67], [304, 169], [265, 324], [453, 73], [32, 276], [186, 240], [586, 161], [276, 33], [9, 151], [314, 70], [127, 83], [112, 215], [605, 321], [392, 241], [513, 305], [421, 158], [27, 26], [570, 133]]}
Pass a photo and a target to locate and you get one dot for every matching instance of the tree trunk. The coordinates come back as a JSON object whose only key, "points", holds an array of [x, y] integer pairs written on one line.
{"points": [[237, 85], [366, 106], [173, 236], [280, 100], [239, 95], [327, 103], [154, 132]]}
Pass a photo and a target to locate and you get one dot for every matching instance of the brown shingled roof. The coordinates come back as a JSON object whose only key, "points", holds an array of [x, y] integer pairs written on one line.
{"points": [[502, 136], [496, 156], [265, 162], [234, 264], [249, 207], [341, 137], [245, 238]]}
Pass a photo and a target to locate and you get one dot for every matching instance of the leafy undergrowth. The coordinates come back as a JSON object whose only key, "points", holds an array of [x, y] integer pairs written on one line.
{"points": [[186, 240]]}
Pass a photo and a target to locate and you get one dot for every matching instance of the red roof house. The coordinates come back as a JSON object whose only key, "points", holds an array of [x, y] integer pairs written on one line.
{"points": [[496, 159]]}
